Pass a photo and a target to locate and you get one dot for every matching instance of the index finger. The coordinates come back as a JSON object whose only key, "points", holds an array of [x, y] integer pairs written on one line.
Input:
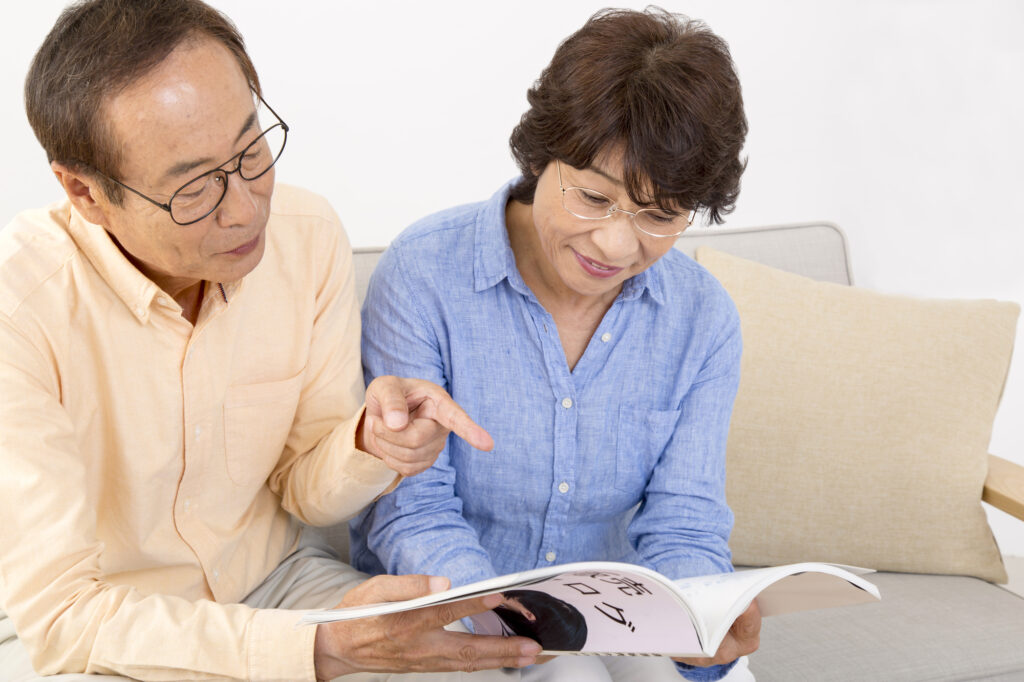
{"points": [[449, 415]]}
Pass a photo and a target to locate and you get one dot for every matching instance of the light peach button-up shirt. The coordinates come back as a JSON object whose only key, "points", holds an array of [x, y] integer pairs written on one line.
{"points": [[151, 473]]}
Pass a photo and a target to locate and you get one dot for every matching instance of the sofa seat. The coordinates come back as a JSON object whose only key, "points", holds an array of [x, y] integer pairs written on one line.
{"points": [[926, 627]]}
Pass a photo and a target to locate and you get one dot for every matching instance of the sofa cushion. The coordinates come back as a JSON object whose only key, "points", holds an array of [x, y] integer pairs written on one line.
{"points": [[862, 423], [927, 627]]}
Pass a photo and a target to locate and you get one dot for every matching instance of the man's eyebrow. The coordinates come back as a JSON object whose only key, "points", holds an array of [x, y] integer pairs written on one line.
{"points": [[180, 169]]}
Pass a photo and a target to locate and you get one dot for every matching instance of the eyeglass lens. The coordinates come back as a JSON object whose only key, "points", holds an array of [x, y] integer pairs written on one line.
{"points": [[593, 205], [201, 196]]}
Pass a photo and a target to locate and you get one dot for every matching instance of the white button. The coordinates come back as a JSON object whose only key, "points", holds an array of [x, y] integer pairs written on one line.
{"points": [[567, 403], [140, 311], [563, 487], [216, 575], [163, 301], [188, 503], [550, 556], [606, 337], [199, 432]]}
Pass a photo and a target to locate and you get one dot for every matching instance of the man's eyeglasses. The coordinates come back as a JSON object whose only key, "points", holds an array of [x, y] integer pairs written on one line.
{"points": [[590, 204], [201, 196]]}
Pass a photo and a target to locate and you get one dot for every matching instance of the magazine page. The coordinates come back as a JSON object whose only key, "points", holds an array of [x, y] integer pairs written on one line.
{"points": [[720, 599], [587, 607], [596, 612]]}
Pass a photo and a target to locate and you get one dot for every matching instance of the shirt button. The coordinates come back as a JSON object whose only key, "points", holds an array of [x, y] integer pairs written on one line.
{"points": [[199, 432], [216, 575], [606, 337], [163, 301], [140, 311], [188, 503], [563, 487], [567, 403], [550, 556]]}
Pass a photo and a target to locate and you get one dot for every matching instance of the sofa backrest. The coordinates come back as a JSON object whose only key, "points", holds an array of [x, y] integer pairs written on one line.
{"points": [[815, 250]]}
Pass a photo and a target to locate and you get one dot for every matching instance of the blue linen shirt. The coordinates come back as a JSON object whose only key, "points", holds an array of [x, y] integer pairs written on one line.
{"points": [[620, 459]]}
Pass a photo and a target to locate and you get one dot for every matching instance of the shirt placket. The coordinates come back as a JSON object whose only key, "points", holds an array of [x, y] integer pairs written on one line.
{"points": [[564, 451], [202, 451]]}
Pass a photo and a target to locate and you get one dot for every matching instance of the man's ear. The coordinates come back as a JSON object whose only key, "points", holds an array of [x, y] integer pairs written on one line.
{"points": [[84, 192]]}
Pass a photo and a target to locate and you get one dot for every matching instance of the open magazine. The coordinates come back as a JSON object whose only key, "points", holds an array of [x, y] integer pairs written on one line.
{"points": [[607, 608]]}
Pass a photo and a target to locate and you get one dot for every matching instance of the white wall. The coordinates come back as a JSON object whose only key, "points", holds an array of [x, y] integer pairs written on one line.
{"points": [[898, 119]]}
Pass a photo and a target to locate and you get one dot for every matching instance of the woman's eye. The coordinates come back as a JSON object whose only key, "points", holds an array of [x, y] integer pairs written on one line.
{"points": [[594, 199]]}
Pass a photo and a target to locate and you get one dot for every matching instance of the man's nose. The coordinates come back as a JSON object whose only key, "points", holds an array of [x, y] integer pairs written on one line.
{"points": [[239, 206]]}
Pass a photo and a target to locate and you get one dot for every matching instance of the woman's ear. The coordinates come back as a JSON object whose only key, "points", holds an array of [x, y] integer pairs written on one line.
{"points": [[83, 191]]}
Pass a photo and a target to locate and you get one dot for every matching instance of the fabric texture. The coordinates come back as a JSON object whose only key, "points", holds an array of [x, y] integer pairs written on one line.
{"points": [[160, 469], [873, 414], [938, 628], [640, 420]]}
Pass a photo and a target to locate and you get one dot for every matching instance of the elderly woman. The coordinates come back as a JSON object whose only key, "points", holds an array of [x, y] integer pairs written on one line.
{"points": [[603, 362]]}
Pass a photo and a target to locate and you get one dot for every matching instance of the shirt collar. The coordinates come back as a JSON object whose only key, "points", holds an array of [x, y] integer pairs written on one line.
{"points": [[494, 261], [131, 286]]}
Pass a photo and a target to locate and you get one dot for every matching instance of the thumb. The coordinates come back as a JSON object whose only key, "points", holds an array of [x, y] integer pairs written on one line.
{"points": [[383, 588], [387, 395]]}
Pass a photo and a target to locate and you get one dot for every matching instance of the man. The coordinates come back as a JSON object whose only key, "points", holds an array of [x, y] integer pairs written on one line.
{"points": [[180, 384]]}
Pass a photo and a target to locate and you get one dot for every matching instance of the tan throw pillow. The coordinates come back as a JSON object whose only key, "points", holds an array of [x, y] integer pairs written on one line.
{"points": [[862, 423]]}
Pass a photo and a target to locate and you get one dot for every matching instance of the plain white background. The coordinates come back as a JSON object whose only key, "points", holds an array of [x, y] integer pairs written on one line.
{"points": [[900, 120]]}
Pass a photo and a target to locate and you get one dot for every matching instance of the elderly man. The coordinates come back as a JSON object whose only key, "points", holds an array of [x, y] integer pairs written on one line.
{"points": [[180, 384]]}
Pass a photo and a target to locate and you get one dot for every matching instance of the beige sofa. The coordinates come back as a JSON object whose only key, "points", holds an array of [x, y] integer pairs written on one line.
{"points": [[860, 436]]}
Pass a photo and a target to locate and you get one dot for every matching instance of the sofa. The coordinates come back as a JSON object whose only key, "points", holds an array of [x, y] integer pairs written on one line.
{"points": [[860, 436]]}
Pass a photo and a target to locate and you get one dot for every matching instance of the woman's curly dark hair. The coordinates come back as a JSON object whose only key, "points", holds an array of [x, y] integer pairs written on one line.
{"points": [[660, 87]]}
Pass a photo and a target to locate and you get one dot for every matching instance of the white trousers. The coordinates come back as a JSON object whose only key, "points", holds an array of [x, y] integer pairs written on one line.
{"points": [[313, 577]]}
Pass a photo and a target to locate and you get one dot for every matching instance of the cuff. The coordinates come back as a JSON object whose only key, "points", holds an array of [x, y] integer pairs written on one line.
{"points": [[279, 649], [709, 674]]}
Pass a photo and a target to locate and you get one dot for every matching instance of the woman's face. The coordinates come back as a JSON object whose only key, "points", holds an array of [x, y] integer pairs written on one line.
{"points": [[590, 258]]}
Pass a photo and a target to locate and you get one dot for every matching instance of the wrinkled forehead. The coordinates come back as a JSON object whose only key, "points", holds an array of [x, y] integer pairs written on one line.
{"points": [[191, 106]]}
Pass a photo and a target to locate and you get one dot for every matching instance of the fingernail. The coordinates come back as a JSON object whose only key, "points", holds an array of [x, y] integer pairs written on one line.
{"points": [[530, 649], [492, 600], [437, 584], [393, 420]]}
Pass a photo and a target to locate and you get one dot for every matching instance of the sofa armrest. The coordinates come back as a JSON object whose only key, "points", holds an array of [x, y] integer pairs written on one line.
{"points": [[1004, 486]]}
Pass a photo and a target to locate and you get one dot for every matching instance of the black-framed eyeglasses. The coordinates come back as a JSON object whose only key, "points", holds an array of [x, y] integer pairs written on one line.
{"points": [[200, 196]]}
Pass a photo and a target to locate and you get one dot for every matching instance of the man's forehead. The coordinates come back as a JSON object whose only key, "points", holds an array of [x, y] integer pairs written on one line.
{"points": [[187, 110]]}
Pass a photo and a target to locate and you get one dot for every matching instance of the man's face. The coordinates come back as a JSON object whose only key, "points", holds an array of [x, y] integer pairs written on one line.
{"points": [[191, 114]]}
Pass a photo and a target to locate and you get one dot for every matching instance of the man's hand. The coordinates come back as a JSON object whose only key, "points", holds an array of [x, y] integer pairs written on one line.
{"points": [[413, 641], [408, 420], [743, 638]]}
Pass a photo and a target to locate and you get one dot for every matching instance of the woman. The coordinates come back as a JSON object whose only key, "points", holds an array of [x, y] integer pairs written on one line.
{"points": [[603, 362]]}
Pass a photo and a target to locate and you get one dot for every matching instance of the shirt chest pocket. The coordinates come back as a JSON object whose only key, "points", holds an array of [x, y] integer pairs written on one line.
{"points": [[641, 438], [257, 420]]}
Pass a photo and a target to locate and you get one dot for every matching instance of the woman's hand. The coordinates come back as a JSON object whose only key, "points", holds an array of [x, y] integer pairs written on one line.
{"points": [[743, 638]]}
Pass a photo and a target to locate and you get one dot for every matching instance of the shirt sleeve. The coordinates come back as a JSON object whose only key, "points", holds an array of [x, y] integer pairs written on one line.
{"points": [[322, 477], [419, 528], [67, 614]]}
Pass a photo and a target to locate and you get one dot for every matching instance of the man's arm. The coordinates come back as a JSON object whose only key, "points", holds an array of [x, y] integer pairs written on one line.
{"points": [[418, 528]]}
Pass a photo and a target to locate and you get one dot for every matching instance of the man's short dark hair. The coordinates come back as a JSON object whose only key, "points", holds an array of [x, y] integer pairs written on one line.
{"points": [[660, 87], [98, 48]]}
